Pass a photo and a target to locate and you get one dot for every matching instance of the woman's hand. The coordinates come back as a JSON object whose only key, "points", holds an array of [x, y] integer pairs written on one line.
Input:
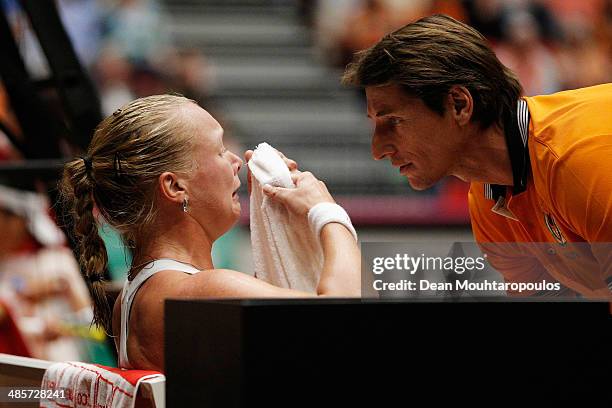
{"points": [[308, 192]]}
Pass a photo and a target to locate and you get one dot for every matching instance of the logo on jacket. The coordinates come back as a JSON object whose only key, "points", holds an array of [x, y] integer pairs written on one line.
{"points": [[554, 229]]}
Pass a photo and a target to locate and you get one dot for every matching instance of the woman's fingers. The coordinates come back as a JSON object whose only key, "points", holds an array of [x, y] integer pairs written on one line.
{"points": [[291, 164], [247, 156], [277, 193], [308, 192], [295, 176]]}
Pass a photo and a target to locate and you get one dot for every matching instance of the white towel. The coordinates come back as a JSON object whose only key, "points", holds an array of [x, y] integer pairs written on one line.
{"points": [[285, 251], [89, 385]]}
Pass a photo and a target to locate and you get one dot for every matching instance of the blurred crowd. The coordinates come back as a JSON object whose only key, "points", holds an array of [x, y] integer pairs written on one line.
{"points": [[125, 46], [45, 307], [551, 44]]}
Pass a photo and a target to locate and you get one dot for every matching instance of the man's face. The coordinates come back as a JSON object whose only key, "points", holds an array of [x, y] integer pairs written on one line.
{"points": [[421, 143]]}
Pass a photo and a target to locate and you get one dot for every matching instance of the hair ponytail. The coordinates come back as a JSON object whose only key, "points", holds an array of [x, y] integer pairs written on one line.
{"points": [[76, 191]]}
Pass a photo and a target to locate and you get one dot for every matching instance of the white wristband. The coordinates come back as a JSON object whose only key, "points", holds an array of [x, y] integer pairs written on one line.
{"points": [[324, 213]]}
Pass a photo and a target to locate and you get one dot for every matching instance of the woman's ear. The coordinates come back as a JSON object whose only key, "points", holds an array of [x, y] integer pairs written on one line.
{"points": [[171, 187], [460, 104]]}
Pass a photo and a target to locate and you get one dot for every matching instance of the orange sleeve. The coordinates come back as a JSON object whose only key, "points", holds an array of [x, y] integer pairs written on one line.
{"points": [[494, 235], [581, 187]]}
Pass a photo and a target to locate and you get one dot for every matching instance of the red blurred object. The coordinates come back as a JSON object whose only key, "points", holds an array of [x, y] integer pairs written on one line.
{"points": [[11, 341]]}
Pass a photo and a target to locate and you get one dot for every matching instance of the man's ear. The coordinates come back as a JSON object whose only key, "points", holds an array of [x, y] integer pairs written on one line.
{"points": [[172, 187], [460, 104]]}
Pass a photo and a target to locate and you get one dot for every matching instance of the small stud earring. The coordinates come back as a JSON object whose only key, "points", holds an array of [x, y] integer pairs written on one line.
{"points": [[185, 205]]}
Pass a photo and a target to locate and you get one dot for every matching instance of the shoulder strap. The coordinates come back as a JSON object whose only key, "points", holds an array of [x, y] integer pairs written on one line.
{"points": [[129, 293]]}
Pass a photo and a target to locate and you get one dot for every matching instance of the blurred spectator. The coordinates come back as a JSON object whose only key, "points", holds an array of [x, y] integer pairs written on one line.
{"points": [[146, 80], [589, 10], [525, 53], [330, 21], [548, 24], [135, 44], [191, 75], [368, 21], [364, 28], [605, 28], [550, 44], [112, 74], [453, 8], [584, 59], [136, 29], [486, 16], [82, 20], [346, 26], [138, 58], [119, 81], [40, 281], [490, 17]]}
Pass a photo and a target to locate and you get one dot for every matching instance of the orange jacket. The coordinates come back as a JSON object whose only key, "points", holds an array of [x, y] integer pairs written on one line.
{"points": [[567, 205]]}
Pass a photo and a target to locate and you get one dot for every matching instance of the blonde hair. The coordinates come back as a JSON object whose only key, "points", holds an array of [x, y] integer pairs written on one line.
{"points": [[119, 175]]}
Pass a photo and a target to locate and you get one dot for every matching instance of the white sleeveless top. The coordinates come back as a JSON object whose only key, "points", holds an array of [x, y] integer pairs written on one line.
{"points": [[129, 293]]}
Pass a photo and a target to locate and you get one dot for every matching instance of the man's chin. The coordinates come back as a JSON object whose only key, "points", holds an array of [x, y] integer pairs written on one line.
{"points": [[419, 185]]}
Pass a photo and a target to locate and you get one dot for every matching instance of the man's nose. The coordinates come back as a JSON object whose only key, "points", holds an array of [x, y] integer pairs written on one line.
{"points": [[381, 150]]}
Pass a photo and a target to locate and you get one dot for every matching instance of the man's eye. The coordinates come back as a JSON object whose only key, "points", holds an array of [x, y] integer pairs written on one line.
{"points": [[394, 121], [223, 152]]}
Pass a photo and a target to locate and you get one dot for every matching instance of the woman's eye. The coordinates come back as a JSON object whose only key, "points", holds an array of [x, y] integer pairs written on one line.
{"points": [[223, 152]]}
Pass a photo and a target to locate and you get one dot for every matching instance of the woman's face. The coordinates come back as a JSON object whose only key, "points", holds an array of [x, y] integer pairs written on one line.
{"points": [[212, 189]]}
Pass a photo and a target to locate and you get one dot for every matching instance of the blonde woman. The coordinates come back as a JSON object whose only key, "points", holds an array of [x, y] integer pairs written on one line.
{"points": [[157, 171]]}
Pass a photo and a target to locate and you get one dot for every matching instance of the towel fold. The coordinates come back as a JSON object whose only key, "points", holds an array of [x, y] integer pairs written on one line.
{"points": [[285, 251], [92, 385]]}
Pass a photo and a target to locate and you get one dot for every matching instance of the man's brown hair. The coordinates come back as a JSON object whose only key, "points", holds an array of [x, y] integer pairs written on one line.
{"points": [[427, 57]]}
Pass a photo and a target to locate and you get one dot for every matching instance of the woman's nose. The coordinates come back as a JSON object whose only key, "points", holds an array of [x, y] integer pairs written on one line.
{"points": [[238, 161]]}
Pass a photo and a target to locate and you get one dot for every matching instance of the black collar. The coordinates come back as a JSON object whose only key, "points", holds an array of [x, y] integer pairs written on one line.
{"points": [[516, 131]]}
